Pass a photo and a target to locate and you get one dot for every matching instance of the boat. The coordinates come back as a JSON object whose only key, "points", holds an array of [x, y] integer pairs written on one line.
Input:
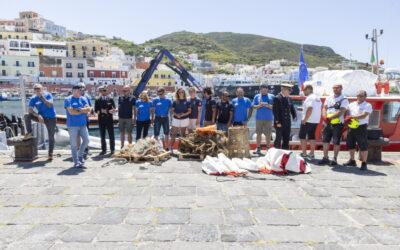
{"points": [[93, 121], [3, 96]]}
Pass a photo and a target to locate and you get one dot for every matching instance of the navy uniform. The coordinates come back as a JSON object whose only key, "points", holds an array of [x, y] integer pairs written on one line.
{"points": [[282, 109], [105, 120]]}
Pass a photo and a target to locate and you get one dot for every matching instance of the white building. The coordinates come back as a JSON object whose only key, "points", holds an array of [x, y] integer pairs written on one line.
{"points": [[48, 48]]}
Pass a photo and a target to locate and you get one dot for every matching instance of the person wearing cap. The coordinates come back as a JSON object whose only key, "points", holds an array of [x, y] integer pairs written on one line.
{"points": [[263, 104], [195, 114], [224, 113], [126, 105], [282, 107], [43, 102], [210, 108], [333, 112], [77, 109], [104, 107], [89, 101], [242, 109], [357, 121], [160, 110], [311, 116]]}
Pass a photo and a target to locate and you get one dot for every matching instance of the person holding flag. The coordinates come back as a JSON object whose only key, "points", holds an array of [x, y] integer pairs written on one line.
{"points": [[303, 72]]}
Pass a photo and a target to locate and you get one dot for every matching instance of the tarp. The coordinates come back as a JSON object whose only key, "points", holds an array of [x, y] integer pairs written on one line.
{"points": [[351, 80]]}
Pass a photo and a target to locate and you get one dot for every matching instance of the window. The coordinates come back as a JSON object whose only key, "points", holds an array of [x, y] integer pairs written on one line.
{"points": [[17, 36], [156, 76], [91, 74], [68, 65], [1, 36], [68, 74], [169, 84], [93, 53], [80, 74], [17, 63], [101, 48], [158, 83], [80, 65], [169, 76], [391, 111], [25, 37], [58, 61], [74, 53], [17, 73], [84, 47], [14, 44], [9, 36], [84, 54], [114, 75], [73, 47], [164, 83], [41, 74], [103, 74], [123, 73], [54, 73], [3, 72], [94, 48], [3, 63], [24, 45]]}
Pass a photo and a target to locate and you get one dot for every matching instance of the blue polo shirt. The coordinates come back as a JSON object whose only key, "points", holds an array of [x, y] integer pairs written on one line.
{"points": [[195, 103], [143, 110], [75, 120], [264, 113], [43, 110], [240, 107], [181, 107], [162, 105], [88, 99], [126, 106]]}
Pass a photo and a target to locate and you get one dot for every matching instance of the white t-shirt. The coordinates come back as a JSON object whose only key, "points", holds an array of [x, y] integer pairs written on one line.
{"points": [[331, 100], [358, 109], [313, 101]]}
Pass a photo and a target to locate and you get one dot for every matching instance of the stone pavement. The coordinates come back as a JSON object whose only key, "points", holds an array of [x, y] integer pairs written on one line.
{"points": [[110, 205]]}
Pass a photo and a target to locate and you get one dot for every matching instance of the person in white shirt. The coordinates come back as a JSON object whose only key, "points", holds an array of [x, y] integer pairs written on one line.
{"points": [[333, 115], [311, 117], [359, 111]]}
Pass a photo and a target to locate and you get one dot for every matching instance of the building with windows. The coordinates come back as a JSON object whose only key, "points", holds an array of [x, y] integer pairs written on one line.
{"points": [[12, 66], [73, 69], [107, 76], [88, 48], [48, 48], [15, 35], [50, 70]]}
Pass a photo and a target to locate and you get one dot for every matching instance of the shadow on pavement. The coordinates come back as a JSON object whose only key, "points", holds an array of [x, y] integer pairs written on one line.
{"points": [[357, 171], [28, 165], [72, 171]]}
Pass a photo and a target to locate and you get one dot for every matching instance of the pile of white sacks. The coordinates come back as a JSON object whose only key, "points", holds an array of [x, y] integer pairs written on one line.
{"points": [[276, 161]]}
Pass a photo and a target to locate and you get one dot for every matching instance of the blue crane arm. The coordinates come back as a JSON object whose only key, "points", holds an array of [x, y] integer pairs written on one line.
{"points": [[184, 74]]}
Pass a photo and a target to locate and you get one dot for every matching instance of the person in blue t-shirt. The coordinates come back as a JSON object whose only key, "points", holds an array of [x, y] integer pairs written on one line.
{"points": [[159, 112], [181, 110], [240, 106], [142, 115], [43, 102], [77, 109], [263, 104], [89, 101]]}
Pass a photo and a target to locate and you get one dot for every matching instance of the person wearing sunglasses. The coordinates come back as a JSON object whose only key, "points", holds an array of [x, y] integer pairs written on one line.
{"points": [[43, 102], [359, 112], [104, 107], [180, 111], [195, 114], [126, 104], [333, 112], [159, 114], [142, 115]]}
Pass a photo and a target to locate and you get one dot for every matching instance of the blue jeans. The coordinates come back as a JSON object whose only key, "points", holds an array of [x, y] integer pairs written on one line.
{"points": [[73, 140], [161, 121], [222, 126]]}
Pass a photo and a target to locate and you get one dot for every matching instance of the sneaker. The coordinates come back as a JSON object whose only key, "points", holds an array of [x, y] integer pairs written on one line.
{"points": [[333, 163], [364, 166], [102, 153], [167, 149], [350, 163], [78, 165], [112, 152], [312, 157], [50, 157], [257, 151], [324, 161], [27, 136], [303, 155], [81, 159]]}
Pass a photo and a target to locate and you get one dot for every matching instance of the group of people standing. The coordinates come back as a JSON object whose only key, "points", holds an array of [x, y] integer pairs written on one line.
{"points": [[184, 114]]}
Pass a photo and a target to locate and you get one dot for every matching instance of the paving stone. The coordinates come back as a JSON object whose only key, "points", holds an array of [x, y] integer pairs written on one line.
{"points": [[254, 191], [295, 234], [386, 217], [196, 245], [284, 246], [203, 233], [362, 217], [354, 203], [206, 216], [31, 215], [158, 233], [10, 233], [119, 201], [213, 202], [328, 247], [28, 245], [238, 234], [274, 217], [339, 192], [109, 216], [8, 213], [299, 202], [242, 201], [172, 201], [267, 202], [48, 201], [173, 216], [323, 217], [19, 200], [81, 233], [384, 235], [238, 217], [351, 235], [54, 190], [331, 203], [241, 245], [86, 201], [382, 203], [118, 233], [139, 201], [207, 191], [70, 215], [140, 216], [316, 192], [45, 233], [373, 247], [180, 191]]}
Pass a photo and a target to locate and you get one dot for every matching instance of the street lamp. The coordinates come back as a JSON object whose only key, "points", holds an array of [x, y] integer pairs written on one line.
{"points": [[374, 40]]}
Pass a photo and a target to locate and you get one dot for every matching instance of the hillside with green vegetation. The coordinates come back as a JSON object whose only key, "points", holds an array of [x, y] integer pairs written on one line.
{"points": [[226, 47]]}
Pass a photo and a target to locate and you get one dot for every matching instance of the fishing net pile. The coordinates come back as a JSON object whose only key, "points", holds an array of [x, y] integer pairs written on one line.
{"points": [[143, 149], [205, 141]]}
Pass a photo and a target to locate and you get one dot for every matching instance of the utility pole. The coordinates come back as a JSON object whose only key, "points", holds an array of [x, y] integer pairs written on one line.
{"points": [[374, 40]]}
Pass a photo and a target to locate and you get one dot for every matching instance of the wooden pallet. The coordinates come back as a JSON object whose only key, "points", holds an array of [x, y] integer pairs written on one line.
{"points": [[190, 157]]}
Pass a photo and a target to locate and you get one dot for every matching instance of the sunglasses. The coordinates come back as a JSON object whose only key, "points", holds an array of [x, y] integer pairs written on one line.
{"points": [[36, 88], [125, 90], [160, 93], [181, 92], [360, 95]]}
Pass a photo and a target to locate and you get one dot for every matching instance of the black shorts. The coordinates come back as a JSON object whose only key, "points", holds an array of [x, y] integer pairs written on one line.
{"points": [[359, 136], [308, 130], [333, 131]]}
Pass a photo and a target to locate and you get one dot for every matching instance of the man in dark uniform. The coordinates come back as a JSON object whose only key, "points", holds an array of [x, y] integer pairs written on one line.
{"points": [[282, 108], [104, 108]]}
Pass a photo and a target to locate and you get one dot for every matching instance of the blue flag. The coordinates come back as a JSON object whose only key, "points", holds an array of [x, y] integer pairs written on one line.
{"points": [[303, 72]]}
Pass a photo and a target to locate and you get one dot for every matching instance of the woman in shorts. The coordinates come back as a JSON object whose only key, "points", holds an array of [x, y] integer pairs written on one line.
{"points": [[180, 114]]}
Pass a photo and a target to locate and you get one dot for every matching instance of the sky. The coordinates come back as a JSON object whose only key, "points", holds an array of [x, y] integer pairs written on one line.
{"points": [[339, 24]]}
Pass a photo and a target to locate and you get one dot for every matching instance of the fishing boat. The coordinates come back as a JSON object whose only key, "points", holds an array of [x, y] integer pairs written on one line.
{"points": [[93, 121]]}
